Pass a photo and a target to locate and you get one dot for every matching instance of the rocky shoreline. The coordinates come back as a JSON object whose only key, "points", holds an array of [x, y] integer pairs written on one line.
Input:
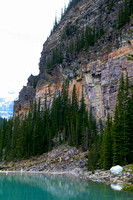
{"points": [[68, 161]]}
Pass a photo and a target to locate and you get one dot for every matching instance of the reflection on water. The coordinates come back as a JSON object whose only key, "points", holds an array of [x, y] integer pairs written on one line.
{"points": [[41, 187]]}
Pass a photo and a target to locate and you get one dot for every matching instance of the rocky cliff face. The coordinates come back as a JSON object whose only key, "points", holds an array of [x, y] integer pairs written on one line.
{"points": [[97, 71]]}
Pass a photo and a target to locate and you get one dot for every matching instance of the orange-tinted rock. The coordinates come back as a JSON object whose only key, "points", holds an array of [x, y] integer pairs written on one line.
{"points": [[97, 71]]}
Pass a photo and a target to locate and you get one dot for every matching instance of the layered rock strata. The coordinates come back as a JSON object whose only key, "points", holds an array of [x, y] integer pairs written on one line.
{"points": [[97, 71]]}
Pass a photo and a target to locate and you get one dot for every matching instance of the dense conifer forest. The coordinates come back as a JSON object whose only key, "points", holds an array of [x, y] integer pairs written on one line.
{"points": [[68, 121], [1, 120]]}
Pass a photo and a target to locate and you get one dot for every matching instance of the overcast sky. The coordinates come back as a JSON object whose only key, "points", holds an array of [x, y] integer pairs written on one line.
{"points": [[24, 27]]}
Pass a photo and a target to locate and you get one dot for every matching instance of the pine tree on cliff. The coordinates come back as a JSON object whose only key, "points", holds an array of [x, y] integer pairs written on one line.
{"points": [[29, 135], [83, 133], [86, 37], [74, 115], [100, 143], [55, 23], [9, 138], [71, 46], [107, 144], [21, 139], [94, 34], [37, 137], [126, 12], [53, 114], [83, 123], [82, 40], [15, 133], [59, 112], [65, 99], [126, 118], [46, 126], [77, 44], [128, 122], [92, 128], [90, 37], [82, 108], [121, 111], [130, 7], [93, 157], [121, 125], [60, 55], [121, 18], [94, 148], [5, 138], [116, 138]]}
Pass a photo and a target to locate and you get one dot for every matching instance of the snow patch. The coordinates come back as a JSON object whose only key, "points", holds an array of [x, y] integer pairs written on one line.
{"points": [[116, 169]]}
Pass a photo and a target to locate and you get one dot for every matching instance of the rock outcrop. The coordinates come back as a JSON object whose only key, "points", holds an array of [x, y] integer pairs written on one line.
{"points": [[97, 71], [70, 161]]}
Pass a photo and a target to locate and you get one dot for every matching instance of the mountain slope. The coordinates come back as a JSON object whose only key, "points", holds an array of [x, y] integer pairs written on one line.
{"points": [[95, 67], [6, 108]]}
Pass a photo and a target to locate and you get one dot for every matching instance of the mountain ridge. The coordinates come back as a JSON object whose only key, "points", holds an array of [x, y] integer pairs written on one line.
{"points": [[96, 70], [6, 108]]}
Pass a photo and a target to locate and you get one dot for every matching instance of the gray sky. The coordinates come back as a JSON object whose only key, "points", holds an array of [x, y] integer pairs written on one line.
{"points": [[24, 27]]}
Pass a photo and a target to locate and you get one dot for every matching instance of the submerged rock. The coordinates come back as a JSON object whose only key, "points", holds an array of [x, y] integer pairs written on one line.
{"points": [[116, 187]]}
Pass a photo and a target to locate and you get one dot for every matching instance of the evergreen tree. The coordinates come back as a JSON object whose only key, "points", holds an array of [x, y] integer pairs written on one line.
{"points": [[46, 126], [122, 127], [130, 7], [92, 131], [71, 46], [121, 18], [100, 143], [93, 156], [86, 37], [65, 98], [121, 114], [54, 128], [15, 133], [29, 135], [107, 145], [74, 115], [128, 141], [82, 40], [77, 44], [37, 137], [126, 12], [82, 107], [1, 121], [116, 138]]}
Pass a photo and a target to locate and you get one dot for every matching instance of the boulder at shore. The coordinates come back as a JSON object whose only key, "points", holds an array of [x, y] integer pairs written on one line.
{"points": [[116, 169]]}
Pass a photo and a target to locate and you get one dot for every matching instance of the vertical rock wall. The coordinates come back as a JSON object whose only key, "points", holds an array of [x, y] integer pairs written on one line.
{"points": [[97, 71]]}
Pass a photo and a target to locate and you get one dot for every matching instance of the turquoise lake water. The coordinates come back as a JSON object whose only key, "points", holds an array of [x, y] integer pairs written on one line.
{"points": [[41, 187]]}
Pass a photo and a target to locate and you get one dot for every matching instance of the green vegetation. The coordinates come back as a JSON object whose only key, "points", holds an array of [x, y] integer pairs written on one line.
{"points": [[125, 12], [114, 145], [117, 138], [111, 5], [76, 40], [67, 121], [77, 43], [128, 187], [85, 39], [71, 4], [1, 120], [55, 58]]}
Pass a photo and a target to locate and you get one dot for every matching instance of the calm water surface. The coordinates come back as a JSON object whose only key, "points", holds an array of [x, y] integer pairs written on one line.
{"points": [[41, 187]]}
